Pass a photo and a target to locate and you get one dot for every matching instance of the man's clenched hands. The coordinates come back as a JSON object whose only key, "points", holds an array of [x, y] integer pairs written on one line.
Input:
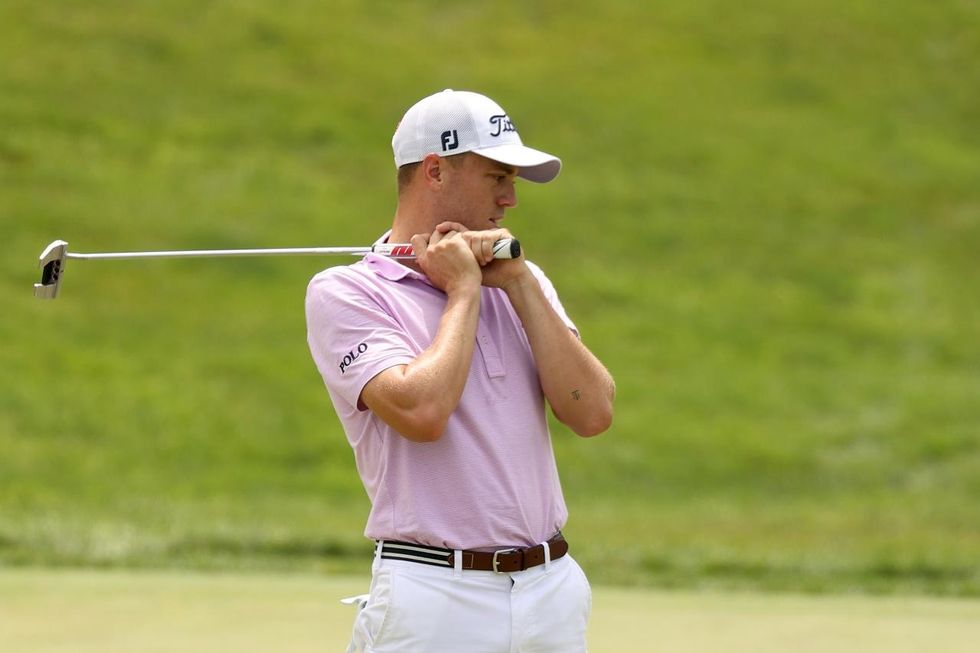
{"points": [[453, 256]]}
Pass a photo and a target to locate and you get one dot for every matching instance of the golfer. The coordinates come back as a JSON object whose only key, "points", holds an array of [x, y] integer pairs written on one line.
{"points": [[440, 370]]}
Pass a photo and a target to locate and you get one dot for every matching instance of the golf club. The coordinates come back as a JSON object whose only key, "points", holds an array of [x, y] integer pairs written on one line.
{"points": [[52, 259]]}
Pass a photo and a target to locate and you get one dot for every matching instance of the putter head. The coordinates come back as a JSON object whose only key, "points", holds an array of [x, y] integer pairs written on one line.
{"points": [[52, 264]]}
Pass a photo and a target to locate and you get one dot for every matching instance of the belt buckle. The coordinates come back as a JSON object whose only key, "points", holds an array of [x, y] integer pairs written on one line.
{"points": [[496, 562]]}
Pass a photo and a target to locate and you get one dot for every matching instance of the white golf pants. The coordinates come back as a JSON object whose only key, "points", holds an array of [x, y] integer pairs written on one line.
{"points": [[416, 608]]}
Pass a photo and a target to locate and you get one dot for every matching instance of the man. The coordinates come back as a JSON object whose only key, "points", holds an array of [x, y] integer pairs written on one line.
{"points": [[439, 370]]}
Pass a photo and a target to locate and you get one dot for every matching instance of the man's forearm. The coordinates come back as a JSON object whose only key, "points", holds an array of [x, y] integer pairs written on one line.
{"points": [[578, 387]]}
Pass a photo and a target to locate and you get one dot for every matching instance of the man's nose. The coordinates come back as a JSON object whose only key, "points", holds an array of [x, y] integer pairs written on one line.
{"points": [[509, 197]]}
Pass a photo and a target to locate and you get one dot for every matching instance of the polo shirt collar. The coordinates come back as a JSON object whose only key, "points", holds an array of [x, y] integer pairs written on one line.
{"points": [[390, 268]]}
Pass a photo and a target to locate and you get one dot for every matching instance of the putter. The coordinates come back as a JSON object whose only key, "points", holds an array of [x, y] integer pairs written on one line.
{"points": [[52, 260]]}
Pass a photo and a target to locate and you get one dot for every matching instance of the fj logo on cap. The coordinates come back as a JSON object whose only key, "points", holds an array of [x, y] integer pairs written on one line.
{"points": [[501, 123], [450, 140]]}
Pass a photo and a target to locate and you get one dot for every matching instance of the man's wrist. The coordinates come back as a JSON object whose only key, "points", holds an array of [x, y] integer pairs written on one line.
{"points": [[463, 287], [519, 285]]}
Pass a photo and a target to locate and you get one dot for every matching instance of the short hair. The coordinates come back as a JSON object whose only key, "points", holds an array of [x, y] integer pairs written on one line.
{"points": [[405, 175], [407, 172]]}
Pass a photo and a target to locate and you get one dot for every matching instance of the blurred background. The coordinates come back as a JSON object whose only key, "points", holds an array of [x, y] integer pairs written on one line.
{"points": [[767, 227]]}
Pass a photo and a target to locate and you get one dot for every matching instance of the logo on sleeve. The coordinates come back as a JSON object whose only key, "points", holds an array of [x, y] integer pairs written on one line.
{"points": [[352, 356]]}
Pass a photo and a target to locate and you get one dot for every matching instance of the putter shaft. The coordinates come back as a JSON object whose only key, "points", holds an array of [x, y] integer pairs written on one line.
{"points": [[221, 253], [52, 259]]}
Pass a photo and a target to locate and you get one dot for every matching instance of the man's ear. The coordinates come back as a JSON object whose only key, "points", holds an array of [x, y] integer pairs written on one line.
{"points": [[433, 170]]}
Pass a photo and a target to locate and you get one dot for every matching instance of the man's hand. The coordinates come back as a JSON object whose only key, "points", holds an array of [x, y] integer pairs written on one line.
{"points": [[497, 273], [447, 259]]}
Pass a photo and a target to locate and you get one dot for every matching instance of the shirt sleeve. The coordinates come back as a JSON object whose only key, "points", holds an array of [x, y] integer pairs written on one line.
{"points": [[351, 336], [552, 296]]}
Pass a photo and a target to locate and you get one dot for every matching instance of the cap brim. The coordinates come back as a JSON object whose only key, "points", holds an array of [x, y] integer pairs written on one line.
{"points": [[533, 165]]}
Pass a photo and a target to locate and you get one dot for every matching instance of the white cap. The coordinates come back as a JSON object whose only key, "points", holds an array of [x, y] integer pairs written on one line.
{"points": [[453, 122]]}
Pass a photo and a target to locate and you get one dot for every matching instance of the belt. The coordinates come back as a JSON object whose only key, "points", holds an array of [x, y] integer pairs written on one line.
{"points": [[504, 561]]}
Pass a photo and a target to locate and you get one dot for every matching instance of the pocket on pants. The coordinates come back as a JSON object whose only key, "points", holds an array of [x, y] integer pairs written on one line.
{"points": [[586, 587], [571, 606], [551, 608], [371, 620]]}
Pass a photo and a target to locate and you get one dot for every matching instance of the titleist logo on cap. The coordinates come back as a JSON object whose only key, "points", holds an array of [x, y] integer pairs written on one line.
{"points": [[500, 124]]}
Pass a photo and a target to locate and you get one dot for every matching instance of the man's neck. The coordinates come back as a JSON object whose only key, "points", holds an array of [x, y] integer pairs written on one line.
{"points": [[402, 232]]}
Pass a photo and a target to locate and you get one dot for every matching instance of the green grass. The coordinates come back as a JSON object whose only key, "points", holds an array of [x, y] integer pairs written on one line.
{"points": [[153, 611], [767, 228]]}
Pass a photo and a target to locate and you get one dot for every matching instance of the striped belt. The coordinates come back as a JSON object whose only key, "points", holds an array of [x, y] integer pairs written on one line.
{"points": [[504, 561]]}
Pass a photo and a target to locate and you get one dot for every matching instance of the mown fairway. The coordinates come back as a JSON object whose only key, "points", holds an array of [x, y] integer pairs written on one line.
{"points": [[767, 226], [113, 612]]}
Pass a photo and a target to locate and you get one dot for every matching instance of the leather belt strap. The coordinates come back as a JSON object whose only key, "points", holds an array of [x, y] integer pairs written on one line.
{"points": [[504, 561]]}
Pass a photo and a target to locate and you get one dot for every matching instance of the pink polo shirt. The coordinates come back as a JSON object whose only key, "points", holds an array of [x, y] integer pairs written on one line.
{"points": [[491, 479]]}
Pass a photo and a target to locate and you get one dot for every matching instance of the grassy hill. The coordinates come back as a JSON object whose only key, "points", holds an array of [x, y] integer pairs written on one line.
{"points": [[767, 227]]}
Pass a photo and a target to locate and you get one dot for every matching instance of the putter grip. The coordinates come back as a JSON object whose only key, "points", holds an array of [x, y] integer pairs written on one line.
{"points": [[507, 248]]}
